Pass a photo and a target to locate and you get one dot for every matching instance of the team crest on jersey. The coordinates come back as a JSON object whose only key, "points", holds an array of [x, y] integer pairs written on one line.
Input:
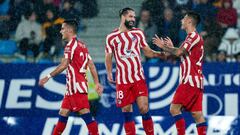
{"points": [[134, 38]]}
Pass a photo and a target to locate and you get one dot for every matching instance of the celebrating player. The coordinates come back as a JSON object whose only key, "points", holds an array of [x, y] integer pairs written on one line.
{"points": [[125, 43], [76, 60], [189, 93]]}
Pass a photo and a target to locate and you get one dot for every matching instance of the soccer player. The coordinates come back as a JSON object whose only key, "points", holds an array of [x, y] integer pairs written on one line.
{"points": [[76, 60], [125, 43], [189, 93]]}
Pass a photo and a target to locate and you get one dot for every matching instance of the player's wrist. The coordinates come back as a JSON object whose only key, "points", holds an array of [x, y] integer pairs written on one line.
{"points": [[49, 76]]}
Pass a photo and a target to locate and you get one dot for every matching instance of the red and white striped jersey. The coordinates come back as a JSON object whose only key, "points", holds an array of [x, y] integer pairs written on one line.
{"points": [[126, 49], [77, 53], [191, 64]]}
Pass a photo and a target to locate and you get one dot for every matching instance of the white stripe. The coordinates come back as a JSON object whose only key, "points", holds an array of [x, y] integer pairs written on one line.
{"points": [[69, 82], [180, 74], [193, 34], [188, 69], [197, 81], [195, 42], [118, 68], [133, 59], [89, 57], [85, 86], [185, 45], [69, 43], [184, 70], [74, 78], [191, 81], [118, 61], [108, 45], [79, 88], [66, 56], [73, 49], [201, 82], [129, 67]]}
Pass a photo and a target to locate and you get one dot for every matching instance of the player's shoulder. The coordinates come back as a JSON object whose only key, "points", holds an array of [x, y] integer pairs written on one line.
{"points": [[194, 34], [113, 33]]}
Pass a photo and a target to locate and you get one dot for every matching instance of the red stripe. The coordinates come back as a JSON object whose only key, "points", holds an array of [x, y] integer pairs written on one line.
{"points": [[192, 40], [194, 81], [141, 39], [138, 60], [185, 68], [71, 46], [122, 51], [70, 81], [129, 59], [119, 67]]}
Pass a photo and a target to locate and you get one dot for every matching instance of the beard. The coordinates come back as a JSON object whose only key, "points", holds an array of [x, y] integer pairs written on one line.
{"points": [[129, 24]]}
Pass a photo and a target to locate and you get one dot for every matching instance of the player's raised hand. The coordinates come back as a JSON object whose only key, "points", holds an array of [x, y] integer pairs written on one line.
{"points": [[158, 41], [168, 42], [43, 81], [110, 78], [99, 89]]}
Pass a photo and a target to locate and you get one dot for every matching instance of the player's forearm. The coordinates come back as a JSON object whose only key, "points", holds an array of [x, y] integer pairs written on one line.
{"points": [[61, 67], [173, 50], [160, 55], [93, 71], [154, 54], [57, 71]]}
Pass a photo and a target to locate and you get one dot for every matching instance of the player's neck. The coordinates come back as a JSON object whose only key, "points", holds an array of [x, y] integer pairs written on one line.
{"points": [[190, 30], [123, 28], [71, 37]]}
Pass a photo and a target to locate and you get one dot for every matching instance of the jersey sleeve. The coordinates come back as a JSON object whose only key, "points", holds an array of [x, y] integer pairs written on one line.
{"points": [[69, 49], [143, 42], [108, 46], [191, 41]]}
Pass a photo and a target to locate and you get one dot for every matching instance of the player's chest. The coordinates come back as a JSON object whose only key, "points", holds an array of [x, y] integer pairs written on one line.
{"points": [[126, 41]]}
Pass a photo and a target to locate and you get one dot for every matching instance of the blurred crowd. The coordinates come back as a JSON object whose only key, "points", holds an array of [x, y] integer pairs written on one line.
{"points": [[34, 25], [219, 27]]}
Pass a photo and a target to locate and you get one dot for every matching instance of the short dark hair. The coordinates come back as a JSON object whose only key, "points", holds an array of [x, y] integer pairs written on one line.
{"points": [[72, 23], [28, 13], [195, 17], [124, 11]]}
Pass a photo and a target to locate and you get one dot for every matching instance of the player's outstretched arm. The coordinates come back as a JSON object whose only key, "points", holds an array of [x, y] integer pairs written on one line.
{"points": [[61, 67], [108, 65], [167, 45], [148, 52], [98, 86]]}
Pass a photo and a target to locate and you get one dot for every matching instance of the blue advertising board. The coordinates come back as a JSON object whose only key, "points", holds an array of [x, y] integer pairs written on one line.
{"points": [[27, 109]]}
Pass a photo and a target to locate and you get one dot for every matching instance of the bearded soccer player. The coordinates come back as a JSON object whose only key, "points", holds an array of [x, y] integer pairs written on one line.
{"points": [[125, 43], [189, 93], [76, 60]]}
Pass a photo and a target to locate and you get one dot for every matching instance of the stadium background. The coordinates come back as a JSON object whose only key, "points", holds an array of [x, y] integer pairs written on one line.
{"points": [[28, 109]]}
